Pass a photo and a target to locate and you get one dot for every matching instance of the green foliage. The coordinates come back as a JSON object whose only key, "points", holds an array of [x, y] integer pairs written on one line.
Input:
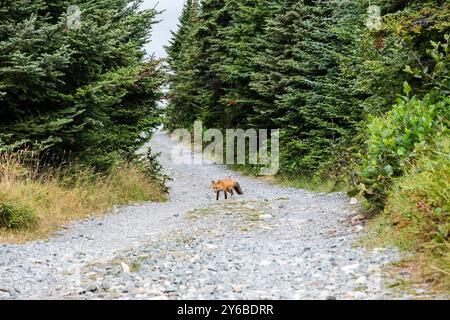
{"points": [[381, 56], [313, 101], [152, 169], [422, 197], [395, 139], [83, 94], [418, 212], [439, 77], [183, 56], [13, 216]]}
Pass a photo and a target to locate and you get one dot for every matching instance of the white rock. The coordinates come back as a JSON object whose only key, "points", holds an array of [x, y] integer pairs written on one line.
{"points": [[265, 263], [358, 217], [237, 288], [420, 291], [360, 296], [373, 268], [125, 267], [299, 294], [266, 217], [282, 262], [68, 256], [353, 201], [350, 268], [361, 280]]}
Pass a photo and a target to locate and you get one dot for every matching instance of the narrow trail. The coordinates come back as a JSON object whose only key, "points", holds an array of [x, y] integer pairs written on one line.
{"points": [[271, 243]]}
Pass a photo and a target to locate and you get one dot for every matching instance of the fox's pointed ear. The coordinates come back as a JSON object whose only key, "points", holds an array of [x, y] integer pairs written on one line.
{"points": [[212, 181]]}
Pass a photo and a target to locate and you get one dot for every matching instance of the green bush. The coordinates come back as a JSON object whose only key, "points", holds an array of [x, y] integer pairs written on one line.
{"points": [[152, 169], [422, 197], [17, 217], [418, 208], [395, 139]]}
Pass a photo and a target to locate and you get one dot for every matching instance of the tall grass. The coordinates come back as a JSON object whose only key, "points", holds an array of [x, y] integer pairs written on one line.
{"points": [[51, 196], [417, 217]]}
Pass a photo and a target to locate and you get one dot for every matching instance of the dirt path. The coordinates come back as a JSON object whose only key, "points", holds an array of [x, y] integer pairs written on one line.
{"points": [[271, 243]]}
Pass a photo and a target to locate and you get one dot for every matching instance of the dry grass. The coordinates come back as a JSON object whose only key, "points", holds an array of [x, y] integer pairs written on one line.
{"points": [[425, 268], [57, 197]]}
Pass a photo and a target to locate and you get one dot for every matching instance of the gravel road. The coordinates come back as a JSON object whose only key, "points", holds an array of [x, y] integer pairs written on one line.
{"points": [[271, 243]]}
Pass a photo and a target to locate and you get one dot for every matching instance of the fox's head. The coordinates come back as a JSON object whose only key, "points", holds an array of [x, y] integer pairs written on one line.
{"points": [[215, 186]]}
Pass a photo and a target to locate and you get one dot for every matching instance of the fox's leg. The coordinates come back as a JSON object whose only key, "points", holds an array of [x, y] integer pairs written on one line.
{"points": [[232, 192], [217, 196], [226, 195]]}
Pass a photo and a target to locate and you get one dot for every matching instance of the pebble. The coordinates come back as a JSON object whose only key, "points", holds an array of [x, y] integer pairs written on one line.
{"points": [[361, 280], [350, 268], [92, 288], [170, 289], [125, 267], [106, 285]]}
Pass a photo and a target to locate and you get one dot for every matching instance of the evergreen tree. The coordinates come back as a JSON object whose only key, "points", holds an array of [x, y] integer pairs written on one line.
{"points": [[239, 42], [301, 73], [183, 55], [86, 92], [382, 55], [213, 18]]}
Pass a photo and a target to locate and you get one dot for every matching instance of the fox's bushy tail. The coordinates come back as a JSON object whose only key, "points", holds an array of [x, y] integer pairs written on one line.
{"points": [[238, 189]]}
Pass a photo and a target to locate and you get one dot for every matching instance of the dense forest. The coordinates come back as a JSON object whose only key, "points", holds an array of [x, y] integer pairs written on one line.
{"points": [[359, 89]]}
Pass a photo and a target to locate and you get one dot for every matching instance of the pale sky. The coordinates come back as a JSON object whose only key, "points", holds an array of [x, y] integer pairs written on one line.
{"points": [[161, 32]]}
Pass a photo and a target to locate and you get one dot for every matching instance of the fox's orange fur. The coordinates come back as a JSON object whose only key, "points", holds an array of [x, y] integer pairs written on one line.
{"points": [[226, 185]]}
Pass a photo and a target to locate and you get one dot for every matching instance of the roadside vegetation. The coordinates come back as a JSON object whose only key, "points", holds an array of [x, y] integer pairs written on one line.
{"points": [[37, 199]]}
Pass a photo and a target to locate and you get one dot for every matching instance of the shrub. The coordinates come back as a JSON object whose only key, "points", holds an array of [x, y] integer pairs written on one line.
{"points": [[418, 210], [423, 196], [395, 139], [16, 217], [152, 169]]}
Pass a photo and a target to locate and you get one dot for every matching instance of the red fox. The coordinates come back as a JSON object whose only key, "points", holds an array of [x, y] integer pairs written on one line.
{"points": [[226, 185]]}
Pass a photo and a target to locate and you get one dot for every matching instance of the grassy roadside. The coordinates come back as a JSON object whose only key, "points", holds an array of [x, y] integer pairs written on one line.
{"points": [[416, 219], [315, 184], [36, 200], [426, 265]]}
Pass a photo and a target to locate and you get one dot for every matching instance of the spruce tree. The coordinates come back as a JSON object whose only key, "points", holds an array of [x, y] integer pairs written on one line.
{"points": [[183, 55], [239, 42], [89, 92]]}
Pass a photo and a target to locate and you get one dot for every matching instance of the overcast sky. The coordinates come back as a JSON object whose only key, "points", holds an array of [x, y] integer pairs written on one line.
{"points": [[161, 33]]}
